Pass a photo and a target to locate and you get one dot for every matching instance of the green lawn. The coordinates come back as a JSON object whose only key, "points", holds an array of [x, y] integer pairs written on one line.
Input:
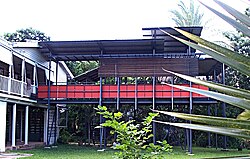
{"points": [[77, 152]]}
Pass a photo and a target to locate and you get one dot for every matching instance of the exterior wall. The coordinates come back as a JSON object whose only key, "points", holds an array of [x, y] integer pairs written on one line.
{"points": [[3, 110], [30, 51]]}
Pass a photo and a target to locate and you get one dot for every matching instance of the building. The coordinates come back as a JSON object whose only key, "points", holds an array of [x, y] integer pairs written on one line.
{"points": [[22, 69], [30, 95]]}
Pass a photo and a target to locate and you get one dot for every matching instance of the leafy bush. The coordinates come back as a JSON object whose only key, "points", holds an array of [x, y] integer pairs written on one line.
{"points": [[132, 139]]}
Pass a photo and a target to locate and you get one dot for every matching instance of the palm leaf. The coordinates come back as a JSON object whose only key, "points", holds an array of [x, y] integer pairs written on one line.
{"points": [[239, 102], [244, 115], [234, 23], [222, 50], [240, 133], [238, 15], [210, 120], [245, 69], [242, 93]]}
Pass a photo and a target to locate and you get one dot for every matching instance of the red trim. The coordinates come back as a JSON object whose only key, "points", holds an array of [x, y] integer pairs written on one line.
{"points": [[110, 91]]}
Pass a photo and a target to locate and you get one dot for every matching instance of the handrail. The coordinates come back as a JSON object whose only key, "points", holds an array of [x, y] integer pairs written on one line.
{"points": [[15, 86], [110, 91]]}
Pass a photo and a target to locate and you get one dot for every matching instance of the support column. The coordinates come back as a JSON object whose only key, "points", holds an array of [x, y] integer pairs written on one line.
{"points": [[48, 110], [21, 125], [13, 139], [190, 112], [224, 106], [172, 93], [26, 134], [216, 135], [45, 129], [209, 134], [3, 111], [101, 118], [154, 126]]}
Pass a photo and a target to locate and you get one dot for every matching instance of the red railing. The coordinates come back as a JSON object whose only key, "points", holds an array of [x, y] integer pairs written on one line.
{"points": [[110, 91]]}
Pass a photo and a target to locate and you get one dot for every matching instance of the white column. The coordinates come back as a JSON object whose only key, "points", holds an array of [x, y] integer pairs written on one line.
{"points": [[3, 111], [13, 139], [26, 125]]}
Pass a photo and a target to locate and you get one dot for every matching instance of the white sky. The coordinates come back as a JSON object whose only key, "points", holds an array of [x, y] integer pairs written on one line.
{"points": [[96, 19]]}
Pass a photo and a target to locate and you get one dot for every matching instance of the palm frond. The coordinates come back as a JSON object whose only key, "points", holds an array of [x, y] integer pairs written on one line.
{"points": [[229, 90], [239, 133], [210, 120]]}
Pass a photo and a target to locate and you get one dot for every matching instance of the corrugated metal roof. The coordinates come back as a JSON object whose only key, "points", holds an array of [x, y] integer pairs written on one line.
{"points": [[158, 45]]}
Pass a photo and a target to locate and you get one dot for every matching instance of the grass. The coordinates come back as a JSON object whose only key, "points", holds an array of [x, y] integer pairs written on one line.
{"points": [[78, 152]]}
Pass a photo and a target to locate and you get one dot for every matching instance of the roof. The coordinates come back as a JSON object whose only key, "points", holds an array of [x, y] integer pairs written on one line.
{"points": [[88, 76], [158, 45], [171, 45]]}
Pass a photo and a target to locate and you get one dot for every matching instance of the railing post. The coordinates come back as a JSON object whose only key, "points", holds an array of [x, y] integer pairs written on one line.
{"points": [[118, 94], [9, 79], [34, 80], [136, 96], [23, 77]]}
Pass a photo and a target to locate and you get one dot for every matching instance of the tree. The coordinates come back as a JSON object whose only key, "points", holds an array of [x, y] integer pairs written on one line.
{"points": [[132, 139], [79, 67], [238, 97], [187, 16], [22, 35]]}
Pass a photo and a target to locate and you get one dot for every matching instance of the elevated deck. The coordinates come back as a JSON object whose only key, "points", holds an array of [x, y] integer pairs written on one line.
{"points": [[126, 94]]}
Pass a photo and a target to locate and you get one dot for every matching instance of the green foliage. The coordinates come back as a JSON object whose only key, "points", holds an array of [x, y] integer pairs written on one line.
{"points": [[79, 67], [132, 139], [187, 16], [22, 35], [239, 61]]}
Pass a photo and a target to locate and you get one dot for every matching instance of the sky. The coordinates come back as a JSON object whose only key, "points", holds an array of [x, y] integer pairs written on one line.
{"points": [[98, 19]]}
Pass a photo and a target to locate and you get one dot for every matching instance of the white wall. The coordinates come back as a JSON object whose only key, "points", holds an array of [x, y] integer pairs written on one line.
{"points": [[3, 111]]}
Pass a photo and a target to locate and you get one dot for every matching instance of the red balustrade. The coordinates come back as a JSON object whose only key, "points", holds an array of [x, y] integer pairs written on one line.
{"points": [[110, 91]]}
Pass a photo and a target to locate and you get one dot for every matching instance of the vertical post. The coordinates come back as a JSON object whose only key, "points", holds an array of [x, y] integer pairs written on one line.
{"points": [[34, 79], [118, 94], [13, 140], [21, 125], [3, 111], [100, 103], [216, 135], [224, 105], [45, 126], [23, 78], [9, 79], [190, 112], [57, 63], [172, 93], [209, 134], [154, 126], [136, 96], [49, 84], [26, 125]]}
